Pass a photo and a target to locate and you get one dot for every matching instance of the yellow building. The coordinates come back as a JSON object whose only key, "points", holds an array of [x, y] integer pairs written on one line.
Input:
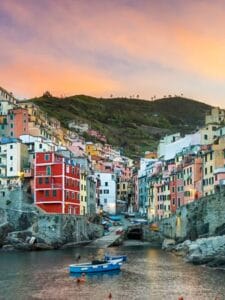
{"points": [[215, 116], [208, 134], [207, 171], [92, 149]]}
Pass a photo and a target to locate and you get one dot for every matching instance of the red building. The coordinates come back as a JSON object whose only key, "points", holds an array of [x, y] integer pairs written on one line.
{"points": [[56, 183]]}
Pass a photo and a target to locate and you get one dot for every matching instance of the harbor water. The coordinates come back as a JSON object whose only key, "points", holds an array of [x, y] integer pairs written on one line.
{"points": [[148, 274]]}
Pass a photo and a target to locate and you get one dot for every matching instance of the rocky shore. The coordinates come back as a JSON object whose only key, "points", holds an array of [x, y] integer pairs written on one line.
{"points": [[203, 251], [26, 228]]}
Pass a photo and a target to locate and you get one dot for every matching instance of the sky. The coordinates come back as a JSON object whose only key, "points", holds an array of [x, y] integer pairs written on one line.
{"points": [[114, 47]]}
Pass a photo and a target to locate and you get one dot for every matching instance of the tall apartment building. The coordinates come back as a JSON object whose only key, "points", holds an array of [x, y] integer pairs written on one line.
{"points": [[56, 183], [13, 160]]}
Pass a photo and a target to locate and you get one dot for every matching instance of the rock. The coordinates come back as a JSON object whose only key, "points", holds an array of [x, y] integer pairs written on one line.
{"points": [[17, 237], [42, 246], [217, 261], [23, 246], [8, 248], [75, 244], [4, 230], [168, 244], [203, 251]]}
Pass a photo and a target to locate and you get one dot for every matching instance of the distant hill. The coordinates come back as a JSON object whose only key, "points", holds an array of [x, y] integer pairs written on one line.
{"points": [[131, 124]]}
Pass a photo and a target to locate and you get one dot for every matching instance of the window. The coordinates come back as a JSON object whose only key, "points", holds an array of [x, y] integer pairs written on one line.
{"points": [[211, 155], [205, 171], [11, 169], [48, 170], [46, 193], [40, 180], [40, 146], [46, 180], [47, 156], [173, 201], [54, 193], [106, 191], [206, 137], [11, 125], [11, 146], [11, 157], [105, 201], [211, 169], [106, 183]]}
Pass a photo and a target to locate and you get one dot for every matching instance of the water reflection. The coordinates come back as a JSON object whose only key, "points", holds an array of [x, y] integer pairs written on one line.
{"points": [[149, 274], [100, 275]]}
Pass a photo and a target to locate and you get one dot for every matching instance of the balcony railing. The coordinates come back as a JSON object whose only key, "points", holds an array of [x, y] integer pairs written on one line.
{"points": [[43, 173]]}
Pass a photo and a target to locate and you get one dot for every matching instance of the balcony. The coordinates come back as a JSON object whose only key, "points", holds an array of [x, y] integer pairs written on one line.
{"points": [[50, 186]]}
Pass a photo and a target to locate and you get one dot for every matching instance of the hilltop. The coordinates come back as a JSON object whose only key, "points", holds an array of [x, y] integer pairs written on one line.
{"points": [[131, 124]]}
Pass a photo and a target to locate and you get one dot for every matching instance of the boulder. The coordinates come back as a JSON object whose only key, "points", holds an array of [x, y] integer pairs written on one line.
{"points": [[8, 248], [17, 237], [168, 244], [42, 246], [4, 230], [217, 261]]}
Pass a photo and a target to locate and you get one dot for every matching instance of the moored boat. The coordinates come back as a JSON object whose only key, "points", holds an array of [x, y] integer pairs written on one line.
{"points": [[96, 266], [109, 257]]}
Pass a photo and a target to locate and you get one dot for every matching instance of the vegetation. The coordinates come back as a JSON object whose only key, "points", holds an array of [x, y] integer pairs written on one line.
{"points": [[130, 124]]}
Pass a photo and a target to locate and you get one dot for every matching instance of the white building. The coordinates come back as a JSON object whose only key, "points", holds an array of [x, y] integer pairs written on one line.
{"points": [[166, 140], [13, 161], [107, 191], [37, 144]]}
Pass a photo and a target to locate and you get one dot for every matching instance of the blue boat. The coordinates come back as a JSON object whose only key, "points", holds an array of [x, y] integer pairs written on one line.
{"points": [[114, 217], [109, 257], [96, 266]]}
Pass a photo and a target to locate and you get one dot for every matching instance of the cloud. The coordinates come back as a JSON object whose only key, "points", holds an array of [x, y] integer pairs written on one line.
{"points": [[104, 47]]}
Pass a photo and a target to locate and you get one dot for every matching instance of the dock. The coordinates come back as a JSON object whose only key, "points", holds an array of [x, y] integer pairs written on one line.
{"points": [[107, 240]]}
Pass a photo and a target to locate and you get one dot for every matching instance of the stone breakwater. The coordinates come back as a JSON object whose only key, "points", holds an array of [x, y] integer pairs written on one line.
{"points": [[197, 231], [33, 230], [209, 251]]}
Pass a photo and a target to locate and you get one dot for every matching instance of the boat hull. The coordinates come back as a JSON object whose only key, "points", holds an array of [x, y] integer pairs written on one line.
{"points": [[89, 268], [116, 257]]}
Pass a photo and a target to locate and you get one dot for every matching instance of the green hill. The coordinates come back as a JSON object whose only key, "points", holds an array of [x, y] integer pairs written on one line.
{"points": [[131, 124]]}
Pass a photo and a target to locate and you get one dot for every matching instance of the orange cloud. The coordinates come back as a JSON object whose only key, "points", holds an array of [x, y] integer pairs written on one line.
{"points": [[76, 47]]}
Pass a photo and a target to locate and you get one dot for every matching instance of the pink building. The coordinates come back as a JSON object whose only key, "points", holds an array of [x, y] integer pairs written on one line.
{"points": [[17, 120]]}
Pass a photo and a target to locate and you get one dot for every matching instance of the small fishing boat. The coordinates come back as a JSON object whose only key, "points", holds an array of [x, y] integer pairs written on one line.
{"points": [[109, 257], [96, 266]]}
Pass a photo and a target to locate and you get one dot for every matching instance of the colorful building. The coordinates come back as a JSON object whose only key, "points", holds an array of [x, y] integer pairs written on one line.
{"points": [[17, 122], [56, 183]]}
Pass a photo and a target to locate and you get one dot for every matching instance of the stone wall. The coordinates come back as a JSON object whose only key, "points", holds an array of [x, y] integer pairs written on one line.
{"points": [[202, 218], [19, 219]]}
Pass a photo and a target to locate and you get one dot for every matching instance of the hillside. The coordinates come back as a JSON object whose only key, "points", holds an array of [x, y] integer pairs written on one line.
{"points": [[133, 125]]}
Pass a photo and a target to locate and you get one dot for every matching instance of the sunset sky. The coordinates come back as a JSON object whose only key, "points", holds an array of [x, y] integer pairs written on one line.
{"points": [[119, 47]]}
